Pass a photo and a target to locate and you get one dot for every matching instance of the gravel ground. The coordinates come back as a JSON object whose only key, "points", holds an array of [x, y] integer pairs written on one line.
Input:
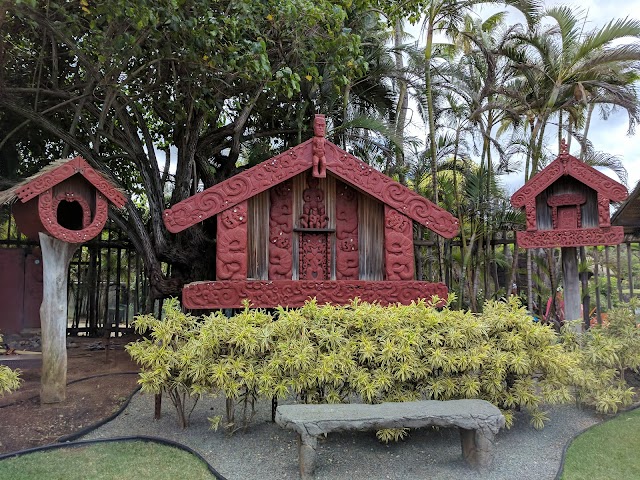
{"points": [[265, 451]]}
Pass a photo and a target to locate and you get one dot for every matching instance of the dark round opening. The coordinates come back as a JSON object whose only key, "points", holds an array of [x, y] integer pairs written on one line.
{"points": [[70, 215]]}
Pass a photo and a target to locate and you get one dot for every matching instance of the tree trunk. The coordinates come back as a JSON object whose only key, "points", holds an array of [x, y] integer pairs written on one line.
{"points": [[56, 257], [571, 285], [530, 282]]}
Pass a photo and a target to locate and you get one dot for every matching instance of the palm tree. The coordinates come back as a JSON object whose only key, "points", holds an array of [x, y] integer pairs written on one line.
{"points": [[561, 66]]}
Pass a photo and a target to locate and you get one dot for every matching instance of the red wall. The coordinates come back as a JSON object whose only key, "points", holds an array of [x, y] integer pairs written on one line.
{"points": [[20, 290]]}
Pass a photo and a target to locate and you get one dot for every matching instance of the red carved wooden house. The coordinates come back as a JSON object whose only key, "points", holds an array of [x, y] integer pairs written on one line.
{"points": [[311, 222], [68, 200], [567, 205]]}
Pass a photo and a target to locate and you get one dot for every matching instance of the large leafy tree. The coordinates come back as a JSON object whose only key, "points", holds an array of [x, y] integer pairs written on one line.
{"points": [[142, 88]]}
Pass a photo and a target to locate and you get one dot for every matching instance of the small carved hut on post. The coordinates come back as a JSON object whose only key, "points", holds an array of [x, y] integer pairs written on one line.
{"points": [[311, 222], [62, 206], [567, 206]]}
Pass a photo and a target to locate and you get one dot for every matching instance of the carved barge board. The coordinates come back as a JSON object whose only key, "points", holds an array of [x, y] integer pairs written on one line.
{"points": [[366, 178], [567, 164], [293, 293], [398, 246], [67, 169], [571, 238], [345, 166], [347, 255], [238, 188], [231, 247]]}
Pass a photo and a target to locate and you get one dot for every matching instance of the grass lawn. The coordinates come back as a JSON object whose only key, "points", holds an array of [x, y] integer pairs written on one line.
{"points": [[608, 451], [107, 461]]}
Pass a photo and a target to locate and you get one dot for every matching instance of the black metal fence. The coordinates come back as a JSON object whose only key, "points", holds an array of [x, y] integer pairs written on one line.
{"points": [[107, 285]]}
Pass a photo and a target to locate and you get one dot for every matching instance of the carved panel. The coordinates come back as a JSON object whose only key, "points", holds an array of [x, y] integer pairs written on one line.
{"points": [[566, 218], [539, 182], [238, 188], [347, 255], [60, 171], [314, 214], [398, 246], [532, 222], [390, 192], [47, 210], [604, 215], [314, 256], [571, 238], [293, 293], [597, 180], [566, 199], [231, 246], [281, 232]]}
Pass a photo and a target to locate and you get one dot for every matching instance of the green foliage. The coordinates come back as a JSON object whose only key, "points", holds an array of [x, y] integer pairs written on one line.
{"points": [[9, 379], [369, 353], [606, 353], [167, 358]]}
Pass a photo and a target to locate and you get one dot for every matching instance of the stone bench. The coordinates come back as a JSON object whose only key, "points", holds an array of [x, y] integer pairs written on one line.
{"points": [[477, 420]]}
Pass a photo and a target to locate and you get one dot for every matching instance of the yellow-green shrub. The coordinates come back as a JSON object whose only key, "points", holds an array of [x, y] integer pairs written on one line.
{"points": [[167, 358], [9, 379], [369, 353], [606, 353]]}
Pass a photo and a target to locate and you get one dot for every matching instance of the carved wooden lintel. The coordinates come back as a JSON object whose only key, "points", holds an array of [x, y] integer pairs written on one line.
{"points": [[571, 238], [293, 293]]}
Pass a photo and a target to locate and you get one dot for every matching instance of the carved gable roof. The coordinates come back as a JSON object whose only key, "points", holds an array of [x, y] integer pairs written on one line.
{"points": [[58, 171], [628, 215], [566, 164], [276, 170]]}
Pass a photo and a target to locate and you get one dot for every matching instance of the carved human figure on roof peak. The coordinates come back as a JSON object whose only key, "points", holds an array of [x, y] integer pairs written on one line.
{"points": [[319, 157]]}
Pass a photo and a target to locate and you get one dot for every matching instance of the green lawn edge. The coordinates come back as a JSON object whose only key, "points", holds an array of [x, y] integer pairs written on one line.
{"points": [[606, 451]]}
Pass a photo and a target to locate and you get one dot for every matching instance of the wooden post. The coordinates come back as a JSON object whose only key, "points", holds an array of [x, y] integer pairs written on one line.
{"points": [[56, 257], [571, 285]]}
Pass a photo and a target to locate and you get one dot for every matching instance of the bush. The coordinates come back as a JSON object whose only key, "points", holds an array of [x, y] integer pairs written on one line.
{"points": [[167, 357], [9, 379], [369, 353], [606, 353]]}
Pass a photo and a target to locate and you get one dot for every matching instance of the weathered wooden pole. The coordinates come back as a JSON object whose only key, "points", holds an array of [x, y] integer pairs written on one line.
{"points": [[56, 257], [571, 286]]}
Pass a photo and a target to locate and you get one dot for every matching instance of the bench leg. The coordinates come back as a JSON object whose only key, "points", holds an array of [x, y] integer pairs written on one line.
{"points": [[307, 446], [477, 447]]}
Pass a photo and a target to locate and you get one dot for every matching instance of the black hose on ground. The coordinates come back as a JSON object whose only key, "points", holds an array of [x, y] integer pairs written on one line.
{"points": [[33, 397]]}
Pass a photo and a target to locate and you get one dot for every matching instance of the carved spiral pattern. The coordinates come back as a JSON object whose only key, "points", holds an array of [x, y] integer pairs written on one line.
{"points": [[571, 238], [347, 255], [398, 243], [231, 247], [66, 170], [238, 188], [292, 293], [539, 182], [280, 232], [569, 165], [47, 210], [391, 193]]}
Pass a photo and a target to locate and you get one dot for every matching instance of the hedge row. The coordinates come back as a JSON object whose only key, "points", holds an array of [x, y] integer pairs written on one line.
{"points": [[369, 353]]}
